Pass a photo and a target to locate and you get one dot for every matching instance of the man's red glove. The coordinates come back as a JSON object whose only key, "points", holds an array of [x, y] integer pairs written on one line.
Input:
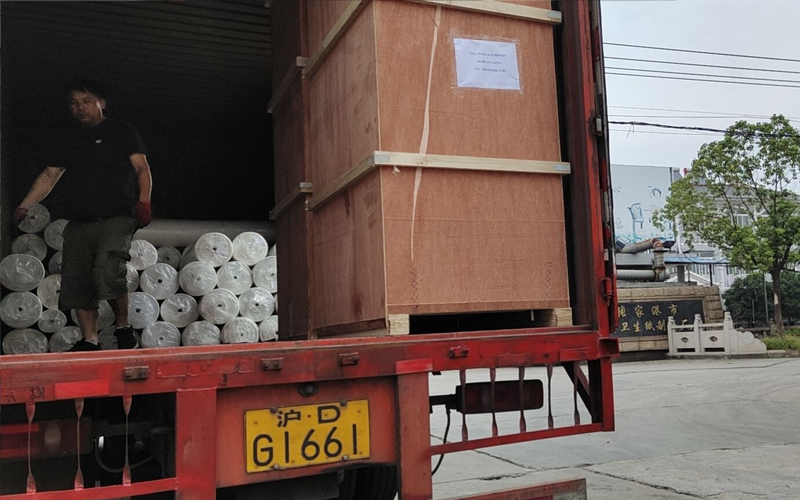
{"points": [[143, 212], [19, 215]]}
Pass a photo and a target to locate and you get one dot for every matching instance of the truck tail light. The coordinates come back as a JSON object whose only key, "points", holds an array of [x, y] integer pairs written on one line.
{"points": [[50, 438]]}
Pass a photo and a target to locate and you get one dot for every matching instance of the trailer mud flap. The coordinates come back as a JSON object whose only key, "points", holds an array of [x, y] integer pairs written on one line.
{"points": [[573, 489]]}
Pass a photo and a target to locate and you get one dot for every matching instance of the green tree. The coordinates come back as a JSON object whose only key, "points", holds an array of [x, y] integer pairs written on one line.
{"points": [[753, 171], [747, 302]]}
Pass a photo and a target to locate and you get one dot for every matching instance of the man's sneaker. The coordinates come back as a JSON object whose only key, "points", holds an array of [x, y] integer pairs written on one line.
{"points": [[126, 339], [82, 345]]}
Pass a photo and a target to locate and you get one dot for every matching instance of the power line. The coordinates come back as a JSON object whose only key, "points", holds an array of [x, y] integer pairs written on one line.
{"points": [[703, 74], [774, 85], [699, 129], [717, 113], [687, 134], [725, 54], [717, 66]]}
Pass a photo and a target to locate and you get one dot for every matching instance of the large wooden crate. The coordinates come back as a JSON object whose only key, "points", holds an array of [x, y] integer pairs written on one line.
{"points": [[429, 197]]}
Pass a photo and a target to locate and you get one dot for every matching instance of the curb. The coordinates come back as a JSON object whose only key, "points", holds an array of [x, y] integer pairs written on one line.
{"points": [[777, 353]]}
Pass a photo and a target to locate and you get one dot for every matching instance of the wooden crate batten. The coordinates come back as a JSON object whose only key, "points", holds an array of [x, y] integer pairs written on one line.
{"points": [[303, 188], [277, 96], [491, 7], [391, 159]]}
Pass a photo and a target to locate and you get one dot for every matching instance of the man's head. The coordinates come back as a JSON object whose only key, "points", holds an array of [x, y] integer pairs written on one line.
{"points": [[86, 102]]}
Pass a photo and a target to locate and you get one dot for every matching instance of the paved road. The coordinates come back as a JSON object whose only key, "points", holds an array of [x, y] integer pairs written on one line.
{"points": [[708, 429]]}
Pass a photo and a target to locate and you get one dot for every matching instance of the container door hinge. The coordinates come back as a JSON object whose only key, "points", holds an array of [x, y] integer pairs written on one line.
{"points": [[599, 128], [608, 290]]}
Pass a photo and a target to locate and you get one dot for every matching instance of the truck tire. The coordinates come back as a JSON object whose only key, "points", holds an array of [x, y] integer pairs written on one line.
{"points": [[369, 483]]}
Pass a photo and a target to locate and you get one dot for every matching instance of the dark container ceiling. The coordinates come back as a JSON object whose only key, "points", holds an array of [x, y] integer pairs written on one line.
{"points": [[193, 77]]}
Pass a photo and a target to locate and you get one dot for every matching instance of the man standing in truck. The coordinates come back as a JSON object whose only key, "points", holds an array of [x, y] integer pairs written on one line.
{"points": [[109, 187]]}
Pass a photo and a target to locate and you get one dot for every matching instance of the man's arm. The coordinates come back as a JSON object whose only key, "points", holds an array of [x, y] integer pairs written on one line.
{"points": [[42, 187], [143, 178]]}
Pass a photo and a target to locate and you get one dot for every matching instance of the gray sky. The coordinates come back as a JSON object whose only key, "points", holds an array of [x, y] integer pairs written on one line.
{"points": [[761, 28]]}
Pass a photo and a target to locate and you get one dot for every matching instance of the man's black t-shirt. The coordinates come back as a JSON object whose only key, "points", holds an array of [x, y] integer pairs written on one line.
{"points": [[99, 180]]}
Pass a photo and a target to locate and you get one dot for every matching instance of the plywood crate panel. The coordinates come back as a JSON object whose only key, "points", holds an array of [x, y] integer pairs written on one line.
{"points": [[407, 240]]}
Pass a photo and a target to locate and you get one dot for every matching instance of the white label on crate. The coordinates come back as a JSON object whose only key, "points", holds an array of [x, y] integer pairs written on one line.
{"points": [[484, 64]]}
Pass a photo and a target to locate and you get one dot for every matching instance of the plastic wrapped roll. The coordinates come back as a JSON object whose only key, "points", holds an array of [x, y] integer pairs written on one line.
{"points": [[64, 339], [273, 251], [256, 304], [234, 277], [36, 220], [20, 272], [106, 338], [250, 248], [169, 255], [49, 291], [201, 333], [219, 306], [105, 315], [54, 265], [265, 274], [30, 244], [142, 309], [268, 329], [132, 277], [161, 334], [197, 278], [188, 256], [214, 248], [26, 341], [143, 254], [240, 331], [159, 280], [52, 320], [180, 309], [54, 234], [21, 309]]}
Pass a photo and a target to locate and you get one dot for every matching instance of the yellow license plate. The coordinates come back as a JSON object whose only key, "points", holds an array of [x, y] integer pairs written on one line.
{"points": [[298, 436]]}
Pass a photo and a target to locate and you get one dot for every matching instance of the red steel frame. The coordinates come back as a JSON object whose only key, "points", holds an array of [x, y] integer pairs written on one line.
{"points": [[396, 369]]}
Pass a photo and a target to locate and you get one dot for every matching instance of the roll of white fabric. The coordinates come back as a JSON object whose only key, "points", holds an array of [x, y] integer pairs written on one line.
{"points": [[219, 306], [54, 265], [235, 277], [169, 255], [268, 329], [161, 334], [159, 280], [273, 251], [197, 278], [249, 248], [188, 256], [143, 254], [36, 220], [256, 304], [20, 272], [27, 341], [54, 234], [106, 338], [265, 274], [214, 248], [180, 309], [201, 333], [30, 244], [240, 331], [49, 291], [64, 339], [132, 277], [105, 315], [52, 320], [21, 309], [142, 309]]}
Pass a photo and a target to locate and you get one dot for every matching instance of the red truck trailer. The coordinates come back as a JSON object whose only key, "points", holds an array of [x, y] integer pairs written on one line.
{"points": [[333, 417]]}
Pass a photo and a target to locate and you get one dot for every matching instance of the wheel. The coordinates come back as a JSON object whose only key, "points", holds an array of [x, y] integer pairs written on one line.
{"points": [[369, 483]]}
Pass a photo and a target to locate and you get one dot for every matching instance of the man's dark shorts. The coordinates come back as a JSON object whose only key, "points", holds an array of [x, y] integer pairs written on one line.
{"points": [[93, 269]]}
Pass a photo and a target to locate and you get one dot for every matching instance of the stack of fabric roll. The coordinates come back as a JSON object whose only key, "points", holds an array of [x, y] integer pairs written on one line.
{"points": [[215, 291]]}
